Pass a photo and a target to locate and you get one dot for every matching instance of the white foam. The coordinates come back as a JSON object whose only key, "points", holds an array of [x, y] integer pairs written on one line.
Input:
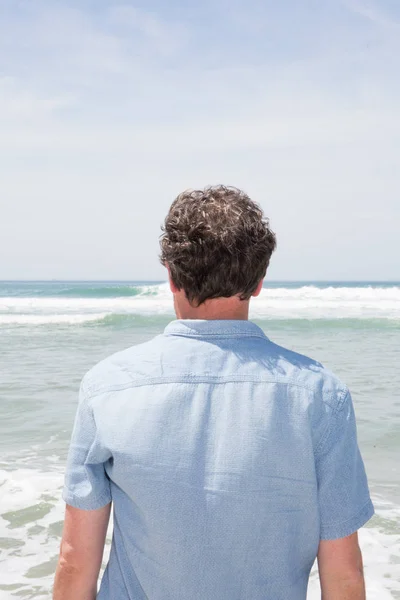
{"points": [[52, 319], [307, 302], [25, 487], [330, 302]]}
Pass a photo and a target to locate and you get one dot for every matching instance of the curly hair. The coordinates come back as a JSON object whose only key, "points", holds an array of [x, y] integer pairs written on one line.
{"points": [[216, 243]]}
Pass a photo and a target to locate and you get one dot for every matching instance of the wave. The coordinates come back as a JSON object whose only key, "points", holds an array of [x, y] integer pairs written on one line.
{"points": [[287, 304], [119, 321], [76, 290], [109, 291], [26, 319]]}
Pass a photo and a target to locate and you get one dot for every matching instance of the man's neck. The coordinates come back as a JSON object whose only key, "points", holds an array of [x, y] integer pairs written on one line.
{"points": [[217, 308]]}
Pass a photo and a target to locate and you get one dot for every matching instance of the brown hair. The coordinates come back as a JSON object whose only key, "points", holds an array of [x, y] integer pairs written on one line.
{"points": [[216, 243]]}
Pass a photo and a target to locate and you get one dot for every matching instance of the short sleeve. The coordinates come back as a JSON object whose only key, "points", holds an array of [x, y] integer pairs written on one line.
{"points": [[86, 483], [343, 494]]}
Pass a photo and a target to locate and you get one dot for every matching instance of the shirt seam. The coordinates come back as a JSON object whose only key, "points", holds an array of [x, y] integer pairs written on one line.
{"points": [[343, 395], [68, 493], [92, 393], [234, 334]]}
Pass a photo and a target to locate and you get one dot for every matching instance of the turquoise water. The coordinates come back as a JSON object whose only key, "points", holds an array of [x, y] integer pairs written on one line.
{"points": [[51, 333]]}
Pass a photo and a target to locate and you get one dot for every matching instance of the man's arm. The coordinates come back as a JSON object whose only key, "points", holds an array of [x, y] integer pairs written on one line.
{"points": [[341, 569], [81, 553]]}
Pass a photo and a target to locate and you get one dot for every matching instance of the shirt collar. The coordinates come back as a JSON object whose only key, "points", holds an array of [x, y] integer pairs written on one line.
{"points": [[214, 328]]}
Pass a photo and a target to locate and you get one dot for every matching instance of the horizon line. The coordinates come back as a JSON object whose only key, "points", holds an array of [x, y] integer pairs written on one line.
{"points": [[347, 280]]}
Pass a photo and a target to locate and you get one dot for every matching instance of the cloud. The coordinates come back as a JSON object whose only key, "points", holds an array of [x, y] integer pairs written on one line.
{"points": [[107, 113], [165, 39], [111, 75], [19, 103], [372, 13]]}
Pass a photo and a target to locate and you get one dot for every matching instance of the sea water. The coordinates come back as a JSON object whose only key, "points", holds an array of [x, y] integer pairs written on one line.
{"points": [[52, 333]]}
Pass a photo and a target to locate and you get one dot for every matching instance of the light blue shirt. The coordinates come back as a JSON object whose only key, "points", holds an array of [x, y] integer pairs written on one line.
{"points": [[227, 459]]}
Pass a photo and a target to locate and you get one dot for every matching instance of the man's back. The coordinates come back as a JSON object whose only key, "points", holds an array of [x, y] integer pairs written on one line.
{"points": [[227, 459]]}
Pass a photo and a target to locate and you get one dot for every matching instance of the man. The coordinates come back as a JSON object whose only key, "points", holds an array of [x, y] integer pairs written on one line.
{"points": [[231, 462]]}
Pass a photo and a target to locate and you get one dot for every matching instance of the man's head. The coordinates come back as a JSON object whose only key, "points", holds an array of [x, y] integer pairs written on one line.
{"points": [[216, 243]]}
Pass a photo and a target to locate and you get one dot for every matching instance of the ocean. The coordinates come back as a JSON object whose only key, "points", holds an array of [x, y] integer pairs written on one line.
{"points": [[51, 333]]}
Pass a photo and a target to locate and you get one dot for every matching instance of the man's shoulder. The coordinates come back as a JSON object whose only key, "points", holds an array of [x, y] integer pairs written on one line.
{"points": [[300, 370], [156, 361], [126, 367]]}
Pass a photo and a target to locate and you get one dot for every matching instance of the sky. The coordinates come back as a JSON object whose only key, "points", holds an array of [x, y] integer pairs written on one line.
{"points": [[108, 110]]}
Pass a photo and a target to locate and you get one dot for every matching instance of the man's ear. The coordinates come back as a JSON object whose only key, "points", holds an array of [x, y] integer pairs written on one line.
{"points": [[258, 289], [172, 286]]}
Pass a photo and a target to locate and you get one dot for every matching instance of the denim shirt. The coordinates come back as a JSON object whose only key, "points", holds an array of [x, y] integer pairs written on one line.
{"points": [[227, 459]]}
